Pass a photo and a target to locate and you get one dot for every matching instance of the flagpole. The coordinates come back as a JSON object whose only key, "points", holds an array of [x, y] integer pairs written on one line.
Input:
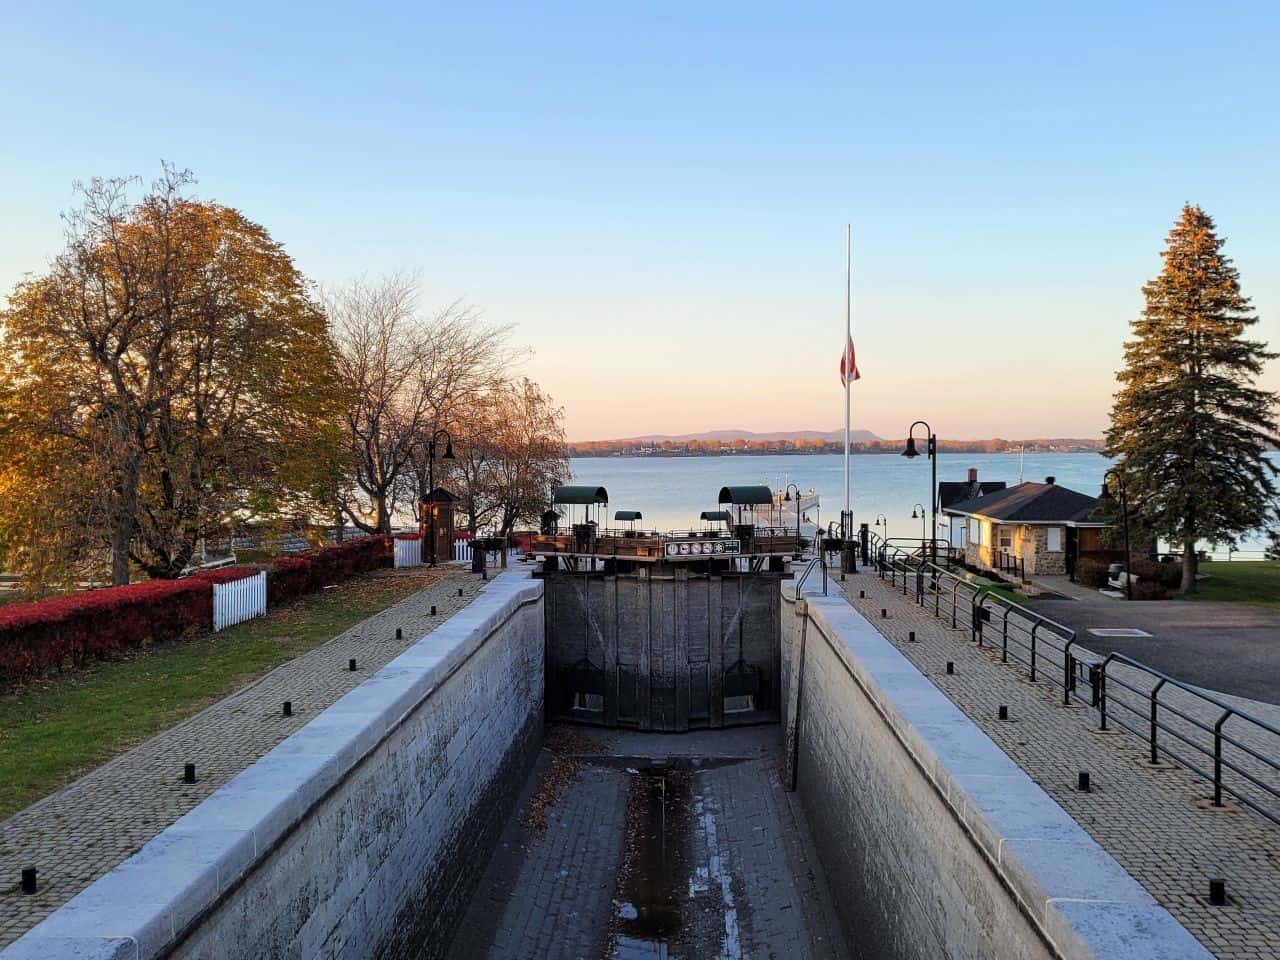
{"points": [[846, 517]]}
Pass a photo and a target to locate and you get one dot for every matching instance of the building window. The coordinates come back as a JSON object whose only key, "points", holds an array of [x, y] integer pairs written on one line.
{"points": [[975, 531], [1055, 540], [1006, 538]]}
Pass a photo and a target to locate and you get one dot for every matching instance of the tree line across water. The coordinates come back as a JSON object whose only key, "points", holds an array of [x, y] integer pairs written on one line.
{"points": [[173, 376]]}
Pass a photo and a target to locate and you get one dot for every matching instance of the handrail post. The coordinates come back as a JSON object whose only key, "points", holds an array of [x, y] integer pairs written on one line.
{"points": [[1217, 758], [954, 600], [1102, 693], [1069, 673], [1155, 704], [1034, 627]]}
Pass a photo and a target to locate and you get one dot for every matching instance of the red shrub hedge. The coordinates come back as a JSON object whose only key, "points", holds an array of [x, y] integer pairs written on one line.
{"points": [[47, 634], [301, 573], [38, 636]]}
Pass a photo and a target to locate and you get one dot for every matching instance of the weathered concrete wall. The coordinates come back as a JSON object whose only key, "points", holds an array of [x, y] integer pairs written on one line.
{"points": [[935, 844], [361, 835]]}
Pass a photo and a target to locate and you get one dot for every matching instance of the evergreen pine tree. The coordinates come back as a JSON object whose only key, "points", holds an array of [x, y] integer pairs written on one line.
{"points": [[1188, 426]]}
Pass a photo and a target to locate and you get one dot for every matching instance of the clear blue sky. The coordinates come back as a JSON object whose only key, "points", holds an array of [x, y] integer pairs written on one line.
{"points": [[656, 197]]}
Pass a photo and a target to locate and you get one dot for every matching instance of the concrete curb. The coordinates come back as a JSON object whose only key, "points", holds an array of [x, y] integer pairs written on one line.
{"points": [[1084, 902], [140, 908]]}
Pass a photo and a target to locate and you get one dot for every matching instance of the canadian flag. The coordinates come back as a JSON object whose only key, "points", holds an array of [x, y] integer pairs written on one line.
{"points": [[849, 362]]}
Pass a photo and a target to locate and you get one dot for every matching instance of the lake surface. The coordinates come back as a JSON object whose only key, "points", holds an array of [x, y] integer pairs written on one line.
{"points": [[672, 491]]}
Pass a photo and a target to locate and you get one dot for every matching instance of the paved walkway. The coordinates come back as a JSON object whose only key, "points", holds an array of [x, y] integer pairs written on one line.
{"points": [[79, 833], [631, 845], [1155, 820]]}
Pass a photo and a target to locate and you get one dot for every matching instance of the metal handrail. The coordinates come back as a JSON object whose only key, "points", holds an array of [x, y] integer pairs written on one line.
{"points": [[1032, 639]]}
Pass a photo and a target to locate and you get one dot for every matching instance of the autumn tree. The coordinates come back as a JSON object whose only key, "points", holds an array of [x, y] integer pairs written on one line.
{"points": [[169, 374], [1189, 428], [403, 373], [510, 453]]}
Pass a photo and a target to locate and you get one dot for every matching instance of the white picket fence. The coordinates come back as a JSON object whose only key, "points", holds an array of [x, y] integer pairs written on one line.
{"points": [[239, 600], [408, 553]]}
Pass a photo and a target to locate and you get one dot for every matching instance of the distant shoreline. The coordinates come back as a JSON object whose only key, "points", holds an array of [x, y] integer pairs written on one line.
{"points": [[688, 455]]}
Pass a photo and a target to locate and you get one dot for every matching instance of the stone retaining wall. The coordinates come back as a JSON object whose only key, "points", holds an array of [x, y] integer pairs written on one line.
{"points": [[935, 843], [362, 834]]}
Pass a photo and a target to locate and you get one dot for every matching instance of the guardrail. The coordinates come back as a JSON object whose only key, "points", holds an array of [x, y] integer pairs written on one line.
{"points": [[1235, 752]]}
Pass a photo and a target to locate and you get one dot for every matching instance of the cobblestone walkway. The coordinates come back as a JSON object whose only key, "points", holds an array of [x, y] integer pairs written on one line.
{"points": [[79, 833], [1157, 821], [654, 845]]}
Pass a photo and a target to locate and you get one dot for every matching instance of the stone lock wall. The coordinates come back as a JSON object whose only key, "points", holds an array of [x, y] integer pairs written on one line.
{"points": [[361, 835], [935, 844]]}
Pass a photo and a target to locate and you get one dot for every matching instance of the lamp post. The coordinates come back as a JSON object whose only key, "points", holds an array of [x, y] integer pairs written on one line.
{"points": [[882, 521], [918, 511], [1124, 519], [431, 479], [787, 498], [932, 452]]}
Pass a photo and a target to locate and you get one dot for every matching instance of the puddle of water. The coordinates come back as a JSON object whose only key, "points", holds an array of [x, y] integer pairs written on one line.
{"points": [[647, 911]]}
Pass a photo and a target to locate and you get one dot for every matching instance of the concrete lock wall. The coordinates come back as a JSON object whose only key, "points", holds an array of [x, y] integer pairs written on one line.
{"points": [[934, 842], [361, 835]]}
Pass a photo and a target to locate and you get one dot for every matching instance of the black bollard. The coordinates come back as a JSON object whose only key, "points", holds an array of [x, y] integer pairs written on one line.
{"points": [[189, 773], [1218, 892], [951, 667], [351, 664], [433, 609], [399, 634], [911, 636], [1082, 782], [288, 708], [884, 614], [862, 594], [1004, 712], [28, 879]]}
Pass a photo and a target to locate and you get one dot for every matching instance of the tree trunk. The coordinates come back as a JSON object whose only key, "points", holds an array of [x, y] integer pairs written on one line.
{"points": [[1189, 567], [383, 522], [340, 525]]}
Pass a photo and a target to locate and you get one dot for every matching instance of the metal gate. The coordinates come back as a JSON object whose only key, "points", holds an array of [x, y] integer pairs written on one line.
{"points": [[669, 651]]}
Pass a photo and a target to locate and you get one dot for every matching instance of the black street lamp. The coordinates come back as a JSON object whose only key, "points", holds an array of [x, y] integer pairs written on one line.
{"points": [[431, 479], [787, 498], [882, 521], [918, 512], [932, 452], [1124, 518]]}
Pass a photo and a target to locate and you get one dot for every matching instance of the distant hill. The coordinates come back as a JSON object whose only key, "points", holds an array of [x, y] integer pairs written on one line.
{"points": [[828, 436]]}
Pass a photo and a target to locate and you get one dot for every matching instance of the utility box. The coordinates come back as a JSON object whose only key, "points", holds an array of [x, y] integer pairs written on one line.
{"points": [[436, 511]]}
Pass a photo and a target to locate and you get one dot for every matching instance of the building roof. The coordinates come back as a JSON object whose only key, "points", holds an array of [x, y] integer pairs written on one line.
{"points": [[440, 495], [1032, 503], [954, 491], [580, 494], [713, 516], [749, 494], [627, 515]]}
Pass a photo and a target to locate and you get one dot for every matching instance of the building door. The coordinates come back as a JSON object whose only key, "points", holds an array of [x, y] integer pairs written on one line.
{"points": [[1072, 551]]}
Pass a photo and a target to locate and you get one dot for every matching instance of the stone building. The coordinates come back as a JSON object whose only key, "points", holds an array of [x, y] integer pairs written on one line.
{"points": [[1029, 529]]}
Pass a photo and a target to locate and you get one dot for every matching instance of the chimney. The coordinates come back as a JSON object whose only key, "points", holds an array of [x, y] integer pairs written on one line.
{"points": [[1049, 480], [973, 475]]}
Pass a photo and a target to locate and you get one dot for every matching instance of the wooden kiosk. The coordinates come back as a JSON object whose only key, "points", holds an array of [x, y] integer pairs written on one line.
{"points": [[437, 526]]}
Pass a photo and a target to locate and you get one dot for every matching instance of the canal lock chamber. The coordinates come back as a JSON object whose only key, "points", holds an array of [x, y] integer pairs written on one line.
{"points": [[623, 766]]}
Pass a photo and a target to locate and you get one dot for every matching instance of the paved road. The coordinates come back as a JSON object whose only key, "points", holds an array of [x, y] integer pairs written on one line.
{"points": [[1228, 647]]}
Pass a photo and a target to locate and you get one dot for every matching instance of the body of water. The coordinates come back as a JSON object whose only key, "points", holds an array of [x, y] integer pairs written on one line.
{"points": [[672, 491]]}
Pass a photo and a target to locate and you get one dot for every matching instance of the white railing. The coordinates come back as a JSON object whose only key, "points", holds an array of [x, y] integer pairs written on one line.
{"points": [[239, 600], [462, 550], [408, 553]]}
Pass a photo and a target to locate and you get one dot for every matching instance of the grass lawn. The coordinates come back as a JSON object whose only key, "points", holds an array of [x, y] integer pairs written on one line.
{"points": [[53, 730], [1256, 582]]}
